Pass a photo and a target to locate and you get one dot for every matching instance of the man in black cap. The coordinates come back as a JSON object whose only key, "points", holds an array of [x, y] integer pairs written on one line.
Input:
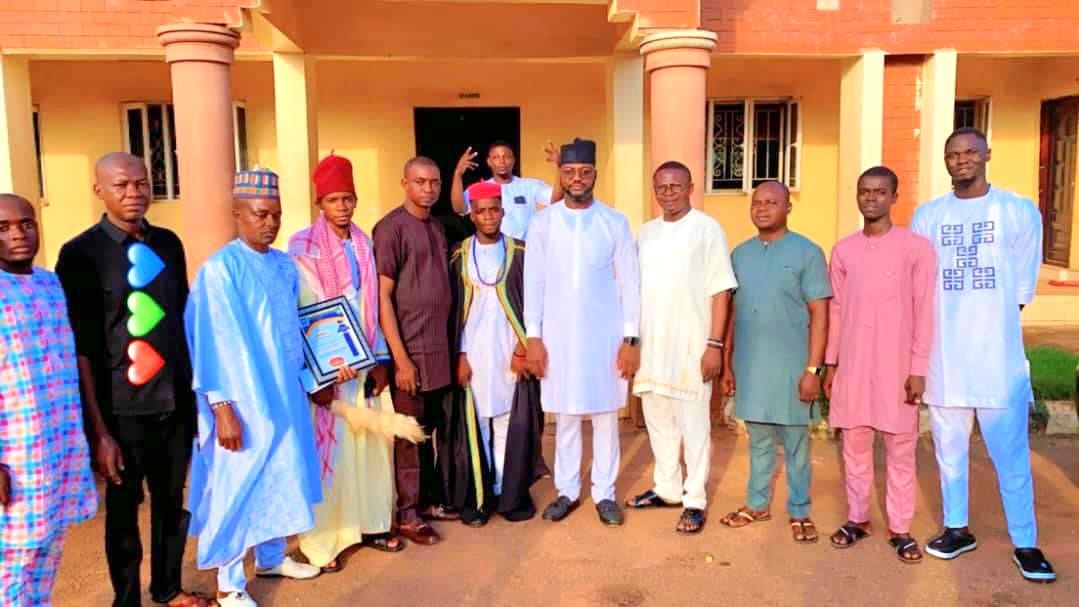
{"points": [[582, 252]]}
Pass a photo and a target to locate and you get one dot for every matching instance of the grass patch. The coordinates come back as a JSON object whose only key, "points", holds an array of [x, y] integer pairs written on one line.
{"points": [[1052, 373]]}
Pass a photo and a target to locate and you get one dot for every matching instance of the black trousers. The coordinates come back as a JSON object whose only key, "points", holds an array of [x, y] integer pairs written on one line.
{"points": [[423, 477], [156, 448]]}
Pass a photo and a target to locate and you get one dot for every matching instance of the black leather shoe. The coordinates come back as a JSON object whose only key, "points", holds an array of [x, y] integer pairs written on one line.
{"points": [[1033, 565], [560, 508], [951, 543], [609, 513]]}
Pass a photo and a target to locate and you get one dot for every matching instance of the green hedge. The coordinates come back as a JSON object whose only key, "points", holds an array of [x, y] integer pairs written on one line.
{"points": [[1052, 374]]}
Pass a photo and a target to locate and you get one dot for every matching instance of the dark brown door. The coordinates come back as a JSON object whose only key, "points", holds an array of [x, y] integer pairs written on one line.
{"points": [[1056, 192]]}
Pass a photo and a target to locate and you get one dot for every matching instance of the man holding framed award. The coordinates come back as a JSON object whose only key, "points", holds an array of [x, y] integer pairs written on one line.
{"points": [[339, 317], [415, 301]]}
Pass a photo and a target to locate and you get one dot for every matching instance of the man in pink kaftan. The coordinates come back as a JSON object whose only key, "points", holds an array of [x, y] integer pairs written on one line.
{"points": [[880, 333]]}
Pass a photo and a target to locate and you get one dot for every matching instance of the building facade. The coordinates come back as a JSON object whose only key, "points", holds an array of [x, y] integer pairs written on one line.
{"points": [[810, 92]]}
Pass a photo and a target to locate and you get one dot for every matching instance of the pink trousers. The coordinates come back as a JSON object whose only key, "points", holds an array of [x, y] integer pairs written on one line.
{"points": [[858, 471]]}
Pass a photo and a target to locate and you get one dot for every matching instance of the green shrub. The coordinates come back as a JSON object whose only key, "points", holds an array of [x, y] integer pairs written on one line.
{"points": [[1052, 373]]}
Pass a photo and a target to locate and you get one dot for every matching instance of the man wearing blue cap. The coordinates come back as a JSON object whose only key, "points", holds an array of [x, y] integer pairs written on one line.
{"points": [[254, 477]]}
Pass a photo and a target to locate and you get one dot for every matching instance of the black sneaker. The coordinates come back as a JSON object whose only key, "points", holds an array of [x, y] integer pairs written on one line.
{"points": [[1033, 565], [951, 543]]}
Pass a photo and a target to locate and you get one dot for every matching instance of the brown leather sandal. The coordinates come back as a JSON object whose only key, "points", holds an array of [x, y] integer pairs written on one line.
{"points": [[804, 531], [744, 516]]}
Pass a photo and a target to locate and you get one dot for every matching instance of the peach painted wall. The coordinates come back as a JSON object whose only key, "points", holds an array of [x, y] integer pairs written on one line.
{"points": [[365, 113], [1016, 88], [79, 104], [815, 82]]}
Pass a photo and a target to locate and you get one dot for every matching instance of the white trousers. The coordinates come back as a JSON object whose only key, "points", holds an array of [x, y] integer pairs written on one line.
{"points": [[493, 431], [674, 424], [606, 455], [1005, 434], [231, 577]]}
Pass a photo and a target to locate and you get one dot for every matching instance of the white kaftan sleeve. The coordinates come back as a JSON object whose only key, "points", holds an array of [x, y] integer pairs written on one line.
{"points": [[719, 276], [628, 274], [535, 274], [1027, 251]]}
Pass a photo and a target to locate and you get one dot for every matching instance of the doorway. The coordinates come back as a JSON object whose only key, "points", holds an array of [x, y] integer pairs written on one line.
{"points": [[1056, 176], [443, 134]]}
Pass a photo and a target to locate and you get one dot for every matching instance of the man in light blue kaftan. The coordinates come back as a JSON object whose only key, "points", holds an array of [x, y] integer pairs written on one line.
{"points": [[254, 476]]}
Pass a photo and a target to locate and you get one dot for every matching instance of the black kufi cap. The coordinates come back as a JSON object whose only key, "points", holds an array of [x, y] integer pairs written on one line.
{"points": [[580, 151]]}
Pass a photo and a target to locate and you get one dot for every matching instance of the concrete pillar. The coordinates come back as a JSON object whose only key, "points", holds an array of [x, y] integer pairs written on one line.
{"points": [[938, 121], [627, 116], [677, 64], [297, 139], [18, 161], [861, 121], [200, 58]]}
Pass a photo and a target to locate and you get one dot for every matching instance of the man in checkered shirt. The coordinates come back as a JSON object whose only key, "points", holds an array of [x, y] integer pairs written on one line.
{"points": [[45, 477]]}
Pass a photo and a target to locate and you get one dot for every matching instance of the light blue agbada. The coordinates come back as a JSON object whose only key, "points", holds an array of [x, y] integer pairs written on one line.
{"points": [[244, 337]]}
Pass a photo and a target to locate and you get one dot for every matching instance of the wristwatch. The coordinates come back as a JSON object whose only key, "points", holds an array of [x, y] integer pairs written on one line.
{"points": [[632, 341]]}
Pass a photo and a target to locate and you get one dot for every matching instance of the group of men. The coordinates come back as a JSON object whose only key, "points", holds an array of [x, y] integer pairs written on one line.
{"points": [[475, 343]]}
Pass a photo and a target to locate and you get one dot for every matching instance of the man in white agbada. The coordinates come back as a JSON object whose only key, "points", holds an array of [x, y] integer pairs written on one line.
{"points": [[989, 249], [582, 308], [522, 197], [686, 280]]}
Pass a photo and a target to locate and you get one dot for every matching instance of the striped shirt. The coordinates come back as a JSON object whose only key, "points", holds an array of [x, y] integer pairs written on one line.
{"points": [[413, 252]]}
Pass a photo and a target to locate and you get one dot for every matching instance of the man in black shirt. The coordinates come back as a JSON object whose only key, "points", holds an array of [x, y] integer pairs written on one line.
{"points": [[136, 376]]}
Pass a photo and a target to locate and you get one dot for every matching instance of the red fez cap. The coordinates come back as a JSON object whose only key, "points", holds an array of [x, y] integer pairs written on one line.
{"points": [[333, 174], [482, 190]]}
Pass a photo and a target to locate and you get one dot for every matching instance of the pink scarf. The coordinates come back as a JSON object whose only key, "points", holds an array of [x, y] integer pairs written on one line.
{"points": [[331, 267]]}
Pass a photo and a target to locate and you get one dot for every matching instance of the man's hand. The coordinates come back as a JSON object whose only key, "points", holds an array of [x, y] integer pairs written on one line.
{"points": [[537, 357], [629, 360], [711, 364], [381, 375], [406, 376], [324, 397], [726, 382], [551, 151], [230, 432], [465, 162], [107, 459], [915, 387], [809, 387], [464, 370], [829, 379], [346, 374], [5, 486]]}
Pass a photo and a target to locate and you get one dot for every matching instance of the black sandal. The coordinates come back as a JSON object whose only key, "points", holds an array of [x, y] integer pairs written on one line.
{"points": [[337, 566], [691, 521], [382, 542], [906, 549], [848, 535], [649, 499]]}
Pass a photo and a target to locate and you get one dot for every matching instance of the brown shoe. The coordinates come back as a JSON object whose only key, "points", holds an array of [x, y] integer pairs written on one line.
{"points": [[419, 533]]}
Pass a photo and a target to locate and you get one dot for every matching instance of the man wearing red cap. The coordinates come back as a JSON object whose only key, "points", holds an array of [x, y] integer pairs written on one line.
{"points": [[499, 394], [335, 258]]}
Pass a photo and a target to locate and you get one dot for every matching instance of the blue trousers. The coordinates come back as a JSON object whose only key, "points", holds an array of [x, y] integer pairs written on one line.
{"points": [[762, 463], [231, 577]]}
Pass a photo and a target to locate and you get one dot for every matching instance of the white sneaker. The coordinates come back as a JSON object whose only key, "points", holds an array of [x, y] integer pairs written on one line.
{"points": [[290, 569], [236, 599]]}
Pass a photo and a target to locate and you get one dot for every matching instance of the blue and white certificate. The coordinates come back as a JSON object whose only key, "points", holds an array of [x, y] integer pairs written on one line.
{"points": [[332, 338]]}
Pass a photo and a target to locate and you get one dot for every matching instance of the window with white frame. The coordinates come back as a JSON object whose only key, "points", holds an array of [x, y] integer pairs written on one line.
{"points": [[150, 133], [753, 141], [973, 112]]}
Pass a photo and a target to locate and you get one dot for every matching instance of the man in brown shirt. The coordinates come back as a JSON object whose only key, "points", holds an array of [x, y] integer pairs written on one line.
{"points": [[415, 301]]}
